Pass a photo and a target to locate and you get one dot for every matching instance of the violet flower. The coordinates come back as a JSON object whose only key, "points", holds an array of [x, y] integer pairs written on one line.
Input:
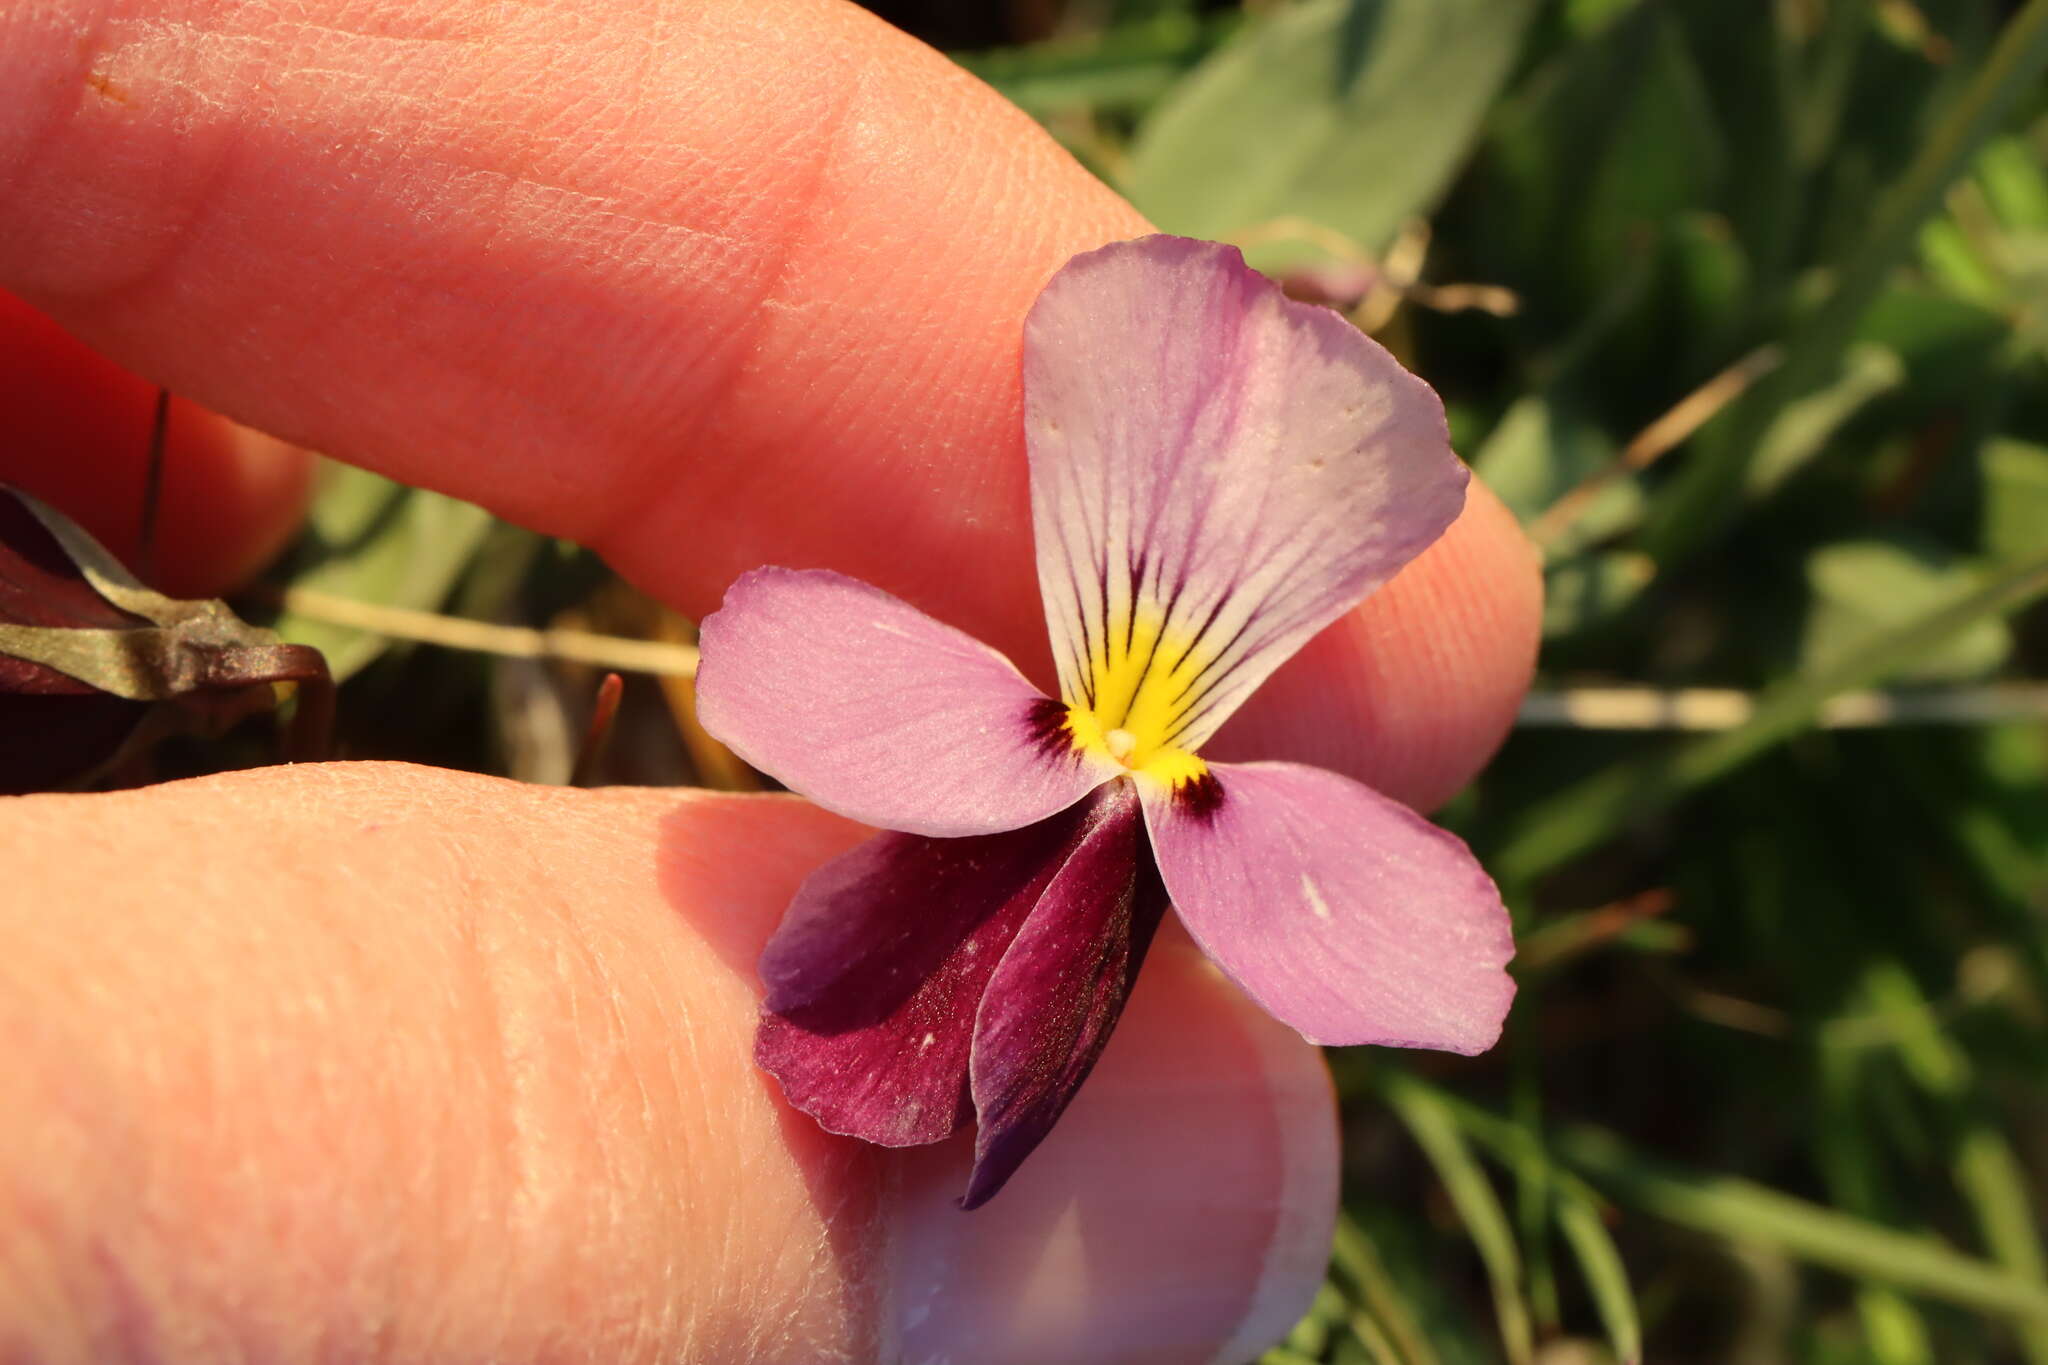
{"points": [[1217, 473]]}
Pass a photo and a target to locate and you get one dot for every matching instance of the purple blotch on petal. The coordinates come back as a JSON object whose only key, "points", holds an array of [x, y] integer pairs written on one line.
{"points": [[875, 975], [1046, 721], [1051, 1005], [1199, 798], [1342, 912]]}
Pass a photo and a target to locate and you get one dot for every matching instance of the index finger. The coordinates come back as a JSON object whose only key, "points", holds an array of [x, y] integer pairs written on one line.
{"points": [[701, 285]]}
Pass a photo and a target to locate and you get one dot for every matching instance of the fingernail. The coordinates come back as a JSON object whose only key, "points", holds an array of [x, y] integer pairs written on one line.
{"points": [[1181, 1211]]}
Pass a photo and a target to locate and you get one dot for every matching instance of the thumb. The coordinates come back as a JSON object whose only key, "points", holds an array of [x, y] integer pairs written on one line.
{"points": [[417, 1066]]}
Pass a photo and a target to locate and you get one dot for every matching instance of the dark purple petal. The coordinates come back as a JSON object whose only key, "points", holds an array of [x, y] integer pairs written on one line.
{"points": [[1052, 1003], [874, 978], [1217, 472], [1345, 914], [871, 708]]}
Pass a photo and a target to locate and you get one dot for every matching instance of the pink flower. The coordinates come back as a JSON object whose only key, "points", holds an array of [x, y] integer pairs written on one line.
{"points": [[1217, 473]]}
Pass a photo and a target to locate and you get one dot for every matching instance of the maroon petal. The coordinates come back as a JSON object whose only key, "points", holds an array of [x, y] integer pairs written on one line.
{"points": [[54, 741], [1051, 1004], [875, 975], [40, 585]]}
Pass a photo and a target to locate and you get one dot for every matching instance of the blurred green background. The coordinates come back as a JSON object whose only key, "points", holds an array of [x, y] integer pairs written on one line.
{"points": [[1743, 306]]}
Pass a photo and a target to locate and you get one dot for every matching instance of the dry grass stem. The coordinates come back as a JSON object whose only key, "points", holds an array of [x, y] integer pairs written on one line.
{"points": [[1685, 417]]}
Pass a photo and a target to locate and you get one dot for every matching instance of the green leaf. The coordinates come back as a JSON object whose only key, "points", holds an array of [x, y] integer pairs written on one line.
{"points": [[1928, 328], [1127, 67], [2012, 175], [1354, 114], [1540, 450], [2015, 496], [1592, 590], [1802, 429], [1713, 280], [1594, 156], [1666, 152], [1586, 18], [1861, 588], [1953, 260], [371, 540]]}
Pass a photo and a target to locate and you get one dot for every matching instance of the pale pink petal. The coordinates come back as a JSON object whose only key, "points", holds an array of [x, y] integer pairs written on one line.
{"points": [[1343, 913], [1211, 455], [870, 708], [1181, 1211]]}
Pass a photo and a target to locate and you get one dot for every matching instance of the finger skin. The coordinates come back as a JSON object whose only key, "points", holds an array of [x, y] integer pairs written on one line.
{"points": [[370, 1062], [706, 285], [78, 431]]}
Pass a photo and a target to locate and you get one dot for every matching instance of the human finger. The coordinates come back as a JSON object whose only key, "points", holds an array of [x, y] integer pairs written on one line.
{"points": [[381, 1063], [704, 285]]}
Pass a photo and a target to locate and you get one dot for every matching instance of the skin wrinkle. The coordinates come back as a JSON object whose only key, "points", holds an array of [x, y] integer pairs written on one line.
{"points": [[641, 490], [498, 1139], [506, 1146], [588, 137], [434, 133], [567, 1036], [41, 143], [608, 1127], [136, 267]]}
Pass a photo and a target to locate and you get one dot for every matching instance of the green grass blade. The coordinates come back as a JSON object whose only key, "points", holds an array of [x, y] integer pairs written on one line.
{"points": [[1745, 1212], [1387, 1307], [1436, 1132], [1986, 1170], [1606, 1278], [1895, 1333], [1373, 1341]]}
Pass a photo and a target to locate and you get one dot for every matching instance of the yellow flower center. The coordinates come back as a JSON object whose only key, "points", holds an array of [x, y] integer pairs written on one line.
{"points": [[1140, 690]]}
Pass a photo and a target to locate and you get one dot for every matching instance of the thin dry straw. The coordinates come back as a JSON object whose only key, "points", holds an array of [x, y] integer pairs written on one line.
{"points": [[1568, 708]]}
